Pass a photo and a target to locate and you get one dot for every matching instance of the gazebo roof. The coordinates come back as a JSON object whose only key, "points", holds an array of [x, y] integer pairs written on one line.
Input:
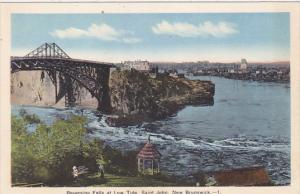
{"points": [[149, 152]]}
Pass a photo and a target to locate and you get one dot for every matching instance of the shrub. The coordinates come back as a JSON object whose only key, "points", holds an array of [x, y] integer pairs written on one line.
{"points": [[118, 163]]}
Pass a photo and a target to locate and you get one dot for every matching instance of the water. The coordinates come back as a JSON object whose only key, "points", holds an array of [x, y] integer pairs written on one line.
{"points": [[248, 125]]}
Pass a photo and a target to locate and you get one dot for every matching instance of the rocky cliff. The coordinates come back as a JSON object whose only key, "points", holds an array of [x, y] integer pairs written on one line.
{"points": [[31, 88], [137, 97]]}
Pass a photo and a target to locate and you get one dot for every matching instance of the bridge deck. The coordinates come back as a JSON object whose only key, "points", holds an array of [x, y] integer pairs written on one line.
{"points": [[81, 61]]}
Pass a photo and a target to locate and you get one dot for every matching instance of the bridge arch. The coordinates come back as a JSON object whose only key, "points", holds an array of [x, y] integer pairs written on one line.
{"points": [[66, 72]]}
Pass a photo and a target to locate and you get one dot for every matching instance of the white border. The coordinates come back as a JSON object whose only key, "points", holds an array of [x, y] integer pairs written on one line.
{"points": [[7, 9]]}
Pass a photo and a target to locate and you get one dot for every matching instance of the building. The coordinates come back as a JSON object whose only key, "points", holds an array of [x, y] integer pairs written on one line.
{"points": [[137, 65], [148, 159], [244, 64], [252, 176]]}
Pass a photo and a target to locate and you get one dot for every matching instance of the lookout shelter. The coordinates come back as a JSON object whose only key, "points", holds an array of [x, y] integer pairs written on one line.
{"points": [[148, 159]]}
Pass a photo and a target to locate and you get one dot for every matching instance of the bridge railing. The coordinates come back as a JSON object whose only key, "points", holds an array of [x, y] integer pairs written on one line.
{"points": [[65, 59]]}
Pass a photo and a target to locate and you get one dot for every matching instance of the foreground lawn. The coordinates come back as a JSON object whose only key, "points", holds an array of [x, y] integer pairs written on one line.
{"points": [[110, 180]]}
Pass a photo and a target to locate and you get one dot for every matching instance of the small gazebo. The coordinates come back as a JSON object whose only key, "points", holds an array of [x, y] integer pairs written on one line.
{"points": [[148, 159]]}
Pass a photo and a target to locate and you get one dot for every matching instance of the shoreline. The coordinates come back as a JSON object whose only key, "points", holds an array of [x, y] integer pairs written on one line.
{"points": [[241, 79]]}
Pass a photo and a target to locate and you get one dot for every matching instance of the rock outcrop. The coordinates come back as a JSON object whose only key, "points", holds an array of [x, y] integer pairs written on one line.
{"points": [[136, 97]]}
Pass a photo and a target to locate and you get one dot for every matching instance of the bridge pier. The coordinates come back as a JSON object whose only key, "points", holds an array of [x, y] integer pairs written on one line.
{"points": [[103, 93], [70, 96]]}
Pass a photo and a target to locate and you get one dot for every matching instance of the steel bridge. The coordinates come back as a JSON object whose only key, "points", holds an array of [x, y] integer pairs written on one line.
{"points": [[67, 74]]}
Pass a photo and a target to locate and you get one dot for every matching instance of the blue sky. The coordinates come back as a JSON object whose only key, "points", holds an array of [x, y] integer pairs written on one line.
{"points": [[157, 37]]}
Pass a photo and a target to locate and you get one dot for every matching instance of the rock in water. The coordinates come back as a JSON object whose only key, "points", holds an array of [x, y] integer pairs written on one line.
{"points": [[136, 97]]}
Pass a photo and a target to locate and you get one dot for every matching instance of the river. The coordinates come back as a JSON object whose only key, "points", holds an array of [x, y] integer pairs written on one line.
{"points": [[248, 125]]}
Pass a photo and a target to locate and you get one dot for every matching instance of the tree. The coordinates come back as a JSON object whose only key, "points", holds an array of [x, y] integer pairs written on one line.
{"points": [[48, 153]]}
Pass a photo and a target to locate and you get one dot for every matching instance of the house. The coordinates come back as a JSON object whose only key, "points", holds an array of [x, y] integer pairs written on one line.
{"points": [[231, 71], [137, 65], [252, 176]]}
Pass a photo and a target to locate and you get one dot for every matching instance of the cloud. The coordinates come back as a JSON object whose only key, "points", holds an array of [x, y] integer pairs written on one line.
{"points": [[69, 33], [102, 32], [204, 29], [131, 40]]}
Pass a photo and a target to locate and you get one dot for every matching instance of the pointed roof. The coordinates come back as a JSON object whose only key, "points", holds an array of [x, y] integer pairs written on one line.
{"points": [[149, 151]]}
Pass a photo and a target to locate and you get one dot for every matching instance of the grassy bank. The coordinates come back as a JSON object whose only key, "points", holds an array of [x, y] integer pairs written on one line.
{"points": [[111, 180]]}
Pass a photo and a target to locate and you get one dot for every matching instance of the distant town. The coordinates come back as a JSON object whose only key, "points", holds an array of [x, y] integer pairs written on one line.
{"points": [[268, 72]]}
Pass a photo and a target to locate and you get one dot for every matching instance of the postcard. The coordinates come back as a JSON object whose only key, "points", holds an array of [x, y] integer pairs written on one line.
{"points": [[150, 98]]}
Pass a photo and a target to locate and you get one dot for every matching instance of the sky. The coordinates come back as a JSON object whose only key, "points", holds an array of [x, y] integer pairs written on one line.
{"points": [[169, 37]]}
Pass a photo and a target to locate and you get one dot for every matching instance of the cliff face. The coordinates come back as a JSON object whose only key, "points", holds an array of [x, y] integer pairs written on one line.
{"points": [[31, 88], [137, 97], [28, 88]]}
